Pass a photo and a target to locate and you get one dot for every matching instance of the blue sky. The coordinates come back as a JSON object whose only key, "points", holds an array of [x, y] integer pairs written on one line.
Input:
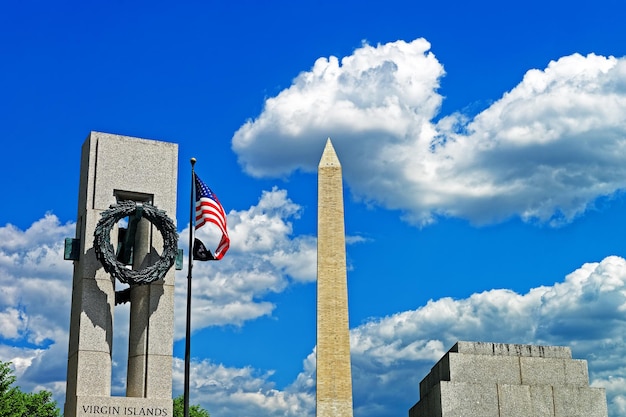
{"points": [[483, 147]]}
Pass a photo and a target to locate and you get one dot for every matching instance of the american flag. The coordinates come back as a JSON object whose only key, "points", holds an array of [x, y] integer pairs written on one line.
{"points": [[209, 210]]}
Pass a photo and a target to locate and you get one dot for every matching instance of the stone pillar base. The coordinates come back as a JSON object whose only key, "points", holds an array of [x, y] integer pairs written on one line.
{"points": [[120, 406]]}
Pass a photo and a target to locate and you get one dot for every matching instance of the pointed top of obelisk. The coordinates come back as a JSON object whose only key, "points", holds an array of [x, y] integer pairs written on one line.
{"points": [[329, 156]]}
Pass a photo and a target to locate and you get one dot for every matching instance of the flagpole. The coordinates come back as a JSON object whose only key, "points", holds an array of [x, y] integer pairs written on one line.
{"points": [[192, 224]]}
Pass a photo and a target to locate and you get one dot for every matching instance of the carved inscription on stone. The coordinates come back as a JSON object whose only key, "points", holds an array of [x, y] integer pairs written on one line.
{"points": [[116, 410]]}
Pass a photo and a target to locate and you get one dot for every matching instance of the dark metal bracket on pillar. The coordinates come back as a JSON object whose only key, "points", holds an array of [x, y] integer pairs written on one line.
{"points": [[72, 249]]}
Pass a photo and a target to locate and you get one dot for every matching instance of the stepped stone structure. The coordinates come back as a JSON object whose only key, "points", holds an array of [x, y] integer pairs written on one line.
{"points": [[507, 380], [334, 376], [116, 168]]}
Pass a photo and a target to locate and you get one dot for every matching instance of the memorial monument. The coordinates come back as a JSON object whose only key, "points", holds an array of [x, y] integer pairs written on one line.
{"points": [[134, 179], [476, 379], [334, 376]]}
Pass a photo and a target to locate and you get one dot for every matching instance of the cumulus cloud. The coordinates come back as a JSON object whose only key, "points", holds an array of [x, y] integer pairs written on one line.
{"points": [[242, 391], [34, 281], [544, 152], [372, 99], [35, 289], [548, 147]]}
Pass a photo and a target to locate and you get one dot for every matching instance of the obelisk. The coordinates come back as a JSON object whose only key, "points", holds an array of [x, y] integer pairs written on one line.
{"points": [[334, 376]]}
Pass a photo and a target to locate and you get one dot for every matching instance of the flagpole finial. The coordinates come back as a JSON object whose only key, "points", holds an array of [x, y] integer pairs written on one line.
{"points": [[193, 161]]}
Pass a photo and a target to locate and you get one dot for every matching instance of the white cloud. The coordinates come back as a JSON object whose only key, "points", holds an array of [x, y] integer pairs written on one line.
{"points": [[230, 392], [34, 280], [544, 152], [46, 231], [12, 323], [35, 289], [548, 147], [374, 97]]}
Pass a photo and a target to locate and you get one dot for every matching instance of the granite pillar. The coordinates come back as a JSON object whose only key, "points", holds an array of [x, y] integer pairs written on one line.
{"points": [[116, 168]]}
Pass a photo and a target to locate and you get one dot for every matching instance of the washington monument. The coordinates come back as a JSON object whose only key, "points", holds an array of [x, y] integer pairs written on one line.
{"points": [[334, 376]]}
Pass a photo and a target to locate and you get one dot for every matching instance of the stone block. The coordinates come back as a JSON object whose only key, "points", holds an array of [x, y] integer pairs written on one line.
{"points": [[88, 266], [430, 380], [542, 371], [542, 401], [580, 402], [120, 162], [161, 338], [439, 372], [159, 376], [75, 312], [429, 405], [461, 399], [72, 369], [93, 373], [151, 307], [135, 376], [483, 369], [576, 373], [170, 278], [139, 319], [96, 318], [473, 368], [514, 400], [559, 352], [506, 349]]}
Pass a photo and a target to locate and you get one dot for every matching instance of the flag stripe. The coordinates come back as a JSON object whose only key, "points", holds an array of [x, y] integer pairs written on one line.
{"points": [[210, 210], [222, 247], [207, 212], [208, 205]]}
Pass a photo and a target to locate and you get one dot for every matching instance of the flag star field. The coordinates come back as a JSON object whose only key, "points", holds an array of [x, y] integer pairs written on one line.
{"points": [[483, 151]]}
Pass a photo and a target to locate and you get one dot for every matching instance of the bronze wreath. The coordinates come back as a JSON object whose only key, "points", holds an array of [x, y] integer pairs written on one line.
{"points": [[106, 255]]}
